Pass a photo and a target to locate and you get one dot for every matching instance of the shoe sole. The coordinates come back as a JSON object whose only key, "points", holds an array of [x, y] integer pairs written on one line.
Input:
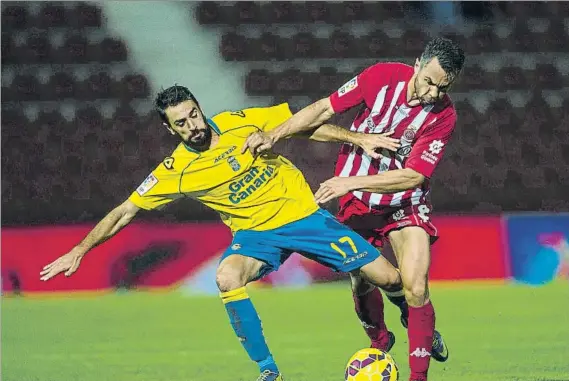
{"points": [[438, 357]]}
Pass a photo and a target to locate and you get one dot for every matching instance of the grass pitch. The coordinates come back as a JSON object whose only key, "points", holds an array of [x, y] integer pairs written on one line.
{"points": [[494, 332]]}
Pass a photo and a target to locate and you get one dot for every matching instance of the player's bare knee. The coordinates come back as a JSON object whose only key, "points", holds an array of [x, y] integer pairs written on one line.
{"points": [[384, 276], [416, 293], [228, 279], [393, 281]]}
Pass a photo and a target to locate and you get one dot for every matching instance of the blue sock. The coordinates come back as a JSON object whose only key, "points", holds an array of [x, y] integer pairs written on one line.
{"points": [[247, 327]]}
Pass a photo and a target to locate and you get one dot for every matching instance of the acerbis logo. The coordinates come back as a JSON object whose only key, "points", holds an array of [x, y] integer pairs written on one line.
{"points": [[355, 258], [225, 154]]}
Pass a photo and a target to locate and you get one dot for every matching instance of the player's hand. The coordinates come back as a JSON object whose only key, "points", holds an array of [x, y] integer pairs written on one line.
{"points": [[68, 263], [333, 188], [257, 143], [371, 143]]}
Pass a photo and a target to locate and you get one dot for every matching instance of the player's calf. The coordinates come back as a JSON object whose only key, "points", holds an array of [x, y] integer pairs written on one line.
{"points": [[397, 298], [233, 273], [368, 300], [368, 304], [412, 248]]}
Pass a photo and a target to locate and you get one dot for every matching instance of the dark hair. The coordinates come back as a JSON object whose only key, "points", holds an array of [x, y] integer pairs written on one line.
{"points": [[172, 96], [449, 54]]}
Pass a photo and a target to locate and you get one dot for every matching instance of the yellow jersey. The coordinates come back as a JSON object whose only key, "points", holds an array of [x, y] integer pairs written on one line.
{"points": [[249, 193]]}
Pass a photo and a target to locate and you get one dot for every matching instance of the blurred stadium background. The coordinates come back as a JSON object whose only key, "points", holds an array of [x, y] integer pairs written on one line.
{"points": [[79, 134]]}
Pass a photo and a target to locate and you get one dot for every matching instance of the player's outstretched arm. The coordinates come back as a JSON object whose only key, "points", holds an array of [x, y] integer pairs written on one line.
{"points": [[387, 182], [306, 119], [110, 225], [370, 143]]}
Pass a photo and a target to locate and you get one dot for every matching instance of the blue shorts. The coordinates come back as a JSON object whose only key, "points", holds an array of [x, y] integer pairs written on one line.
{"points": [[319, 237]]}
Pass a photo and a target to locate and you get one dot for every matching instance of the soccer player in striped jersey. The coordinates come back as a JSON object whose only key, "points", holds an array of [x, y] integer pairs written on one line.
{"points": [[384, 196]]}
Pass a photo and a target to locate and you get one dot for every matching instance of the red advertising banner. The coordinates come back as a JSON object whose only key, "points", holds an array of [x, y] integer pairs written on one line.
{"points": [[142, 255], [469, 248], [159, 255]]}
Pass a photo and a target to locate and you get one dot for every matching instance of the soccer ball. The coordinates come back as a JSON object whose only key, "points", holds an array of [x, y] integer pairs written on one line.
{"points": [[371, 364]]}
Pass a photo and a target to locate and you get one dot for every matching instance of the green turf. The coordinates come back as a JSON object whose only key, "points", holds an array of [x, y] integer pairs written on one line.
{"points": [[494, 332]]}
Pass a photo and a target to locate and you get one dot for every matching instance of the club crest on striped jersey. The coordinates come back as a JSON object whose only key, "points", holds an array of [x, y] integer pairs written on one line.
{"points": [[348, 86], [408, 135], [407, 140]]}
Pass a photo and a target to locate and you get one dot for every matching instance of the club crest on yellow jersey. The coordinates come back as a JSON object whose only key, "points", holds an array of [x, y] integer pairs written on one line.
{"points": [[233, 163]]}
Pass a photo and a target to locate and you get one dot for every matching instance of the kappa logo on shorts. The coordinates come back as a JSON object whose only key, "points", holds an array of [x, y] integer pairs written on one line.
{"points": [[349, 86], [399, 215], [235, 246]]}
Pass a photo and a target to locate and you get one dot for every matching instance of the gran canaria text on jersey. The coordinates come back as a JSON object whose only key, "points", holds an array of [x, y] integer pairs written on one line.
{"points": [[244, 187]]}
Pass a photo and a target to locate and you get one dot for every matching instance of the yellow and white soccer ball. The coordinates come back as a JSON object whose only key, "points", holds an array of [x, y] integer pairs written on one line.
{"points": [[371, 364]]}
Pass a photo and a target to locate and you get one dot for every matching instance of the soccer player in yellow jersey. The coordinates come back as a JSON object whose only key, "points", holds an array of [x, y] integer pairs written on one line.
{"points": [[263, 199]]}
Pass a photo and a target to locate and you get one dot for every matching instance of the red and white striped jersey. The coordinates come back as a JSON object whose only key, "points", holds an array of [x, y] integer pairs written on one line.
{"points": [[424, 132]]}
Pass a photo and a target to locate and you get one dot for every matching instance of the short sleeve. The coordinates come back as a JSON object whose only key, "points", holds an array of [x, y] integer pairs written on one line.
{"points": [[274, 116], [366, 84], [157, 190], [429, 148], [349, 95]]}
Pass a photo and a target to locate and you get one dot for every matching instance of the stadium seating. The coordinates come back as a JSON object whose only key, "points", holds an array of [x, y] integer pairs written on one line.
{"points": [[70, 128], [501, 39], [59, 151]]}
